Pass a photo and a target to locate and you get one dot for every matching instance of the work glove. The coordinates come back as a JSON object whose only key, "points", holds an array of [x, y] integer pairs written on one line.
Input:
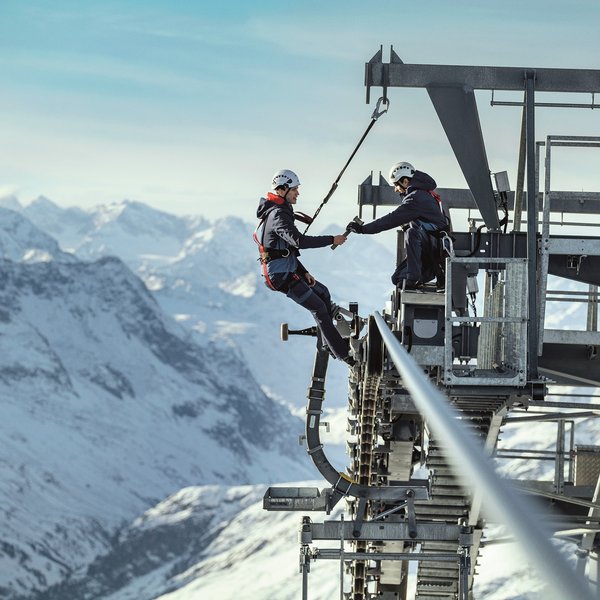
{"points": [[354, 227]]}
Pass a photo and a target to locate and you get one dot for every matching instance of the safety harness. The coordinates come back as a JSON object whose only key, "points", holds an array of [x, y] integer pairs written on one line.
{"points": [[266, 255], [446, 246]]}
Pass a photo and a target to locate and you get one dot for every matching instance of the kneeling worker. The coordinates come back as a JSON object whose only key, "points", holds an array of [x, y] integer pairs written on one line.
{"points": [[280, 242], [422, 210]]}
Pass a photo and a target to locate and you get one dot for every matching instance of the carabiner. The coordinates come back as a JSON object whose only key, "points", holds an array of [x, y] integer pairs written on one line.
{"points": [[377, 113]]}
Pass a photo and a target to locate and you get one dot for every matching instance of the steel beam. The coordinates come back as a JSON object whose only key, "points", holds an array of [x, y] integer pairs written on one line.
{"points": [[570, 364], [397, 74], [333, 553], [383, 194], [456, 108], [532, 217], [586, 271], [388, 531]]}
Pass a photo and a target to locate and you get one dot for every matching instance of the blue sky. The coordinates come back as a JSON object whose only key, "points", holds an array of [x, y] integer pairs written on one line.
{"points": [[191, 106]]}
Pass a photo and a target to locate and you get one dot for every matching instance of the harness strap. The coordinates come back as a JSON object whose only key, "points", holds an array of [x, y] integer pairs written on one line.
{"points": [[438, 199], [446, 240], [443, 230], [263, 253], [266, 255], [269, 254]]}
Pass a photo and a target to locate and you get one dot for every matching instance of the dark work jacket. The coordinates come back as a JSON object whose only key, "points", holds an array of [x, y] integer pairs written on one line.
{"points": [[418, 207], [279, 232]]}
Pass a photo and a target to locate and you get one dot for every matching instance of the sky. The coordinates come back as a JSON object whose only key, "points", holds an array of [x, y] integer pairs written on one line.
{"points": [[192, 106]]}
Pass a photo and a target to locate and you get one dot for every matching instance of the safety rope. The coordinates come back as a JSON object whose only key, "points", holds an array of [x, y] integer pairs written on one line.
{"points": [[376, 114]]}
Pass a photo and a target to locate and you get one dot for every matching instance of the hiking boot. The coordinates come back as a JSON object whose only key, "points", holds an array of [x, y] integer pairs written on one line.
{"points": [[411, 284]]}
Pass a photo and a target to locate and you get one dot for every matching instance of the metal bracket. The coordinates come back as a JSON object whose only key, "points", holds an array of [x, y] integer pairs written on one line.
{"points": [[360, 517], [410, 513]]}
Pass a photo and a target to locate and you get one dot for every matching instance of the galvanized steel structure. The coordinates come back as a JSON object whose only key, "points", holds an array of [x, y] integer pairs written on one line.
{"points": [[435, 383]]}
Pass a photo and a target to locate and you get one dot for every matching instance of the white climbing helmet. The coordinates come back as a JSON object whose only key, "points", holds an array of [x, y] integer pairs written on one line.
{"points": [[285, 177], [400, 170]]}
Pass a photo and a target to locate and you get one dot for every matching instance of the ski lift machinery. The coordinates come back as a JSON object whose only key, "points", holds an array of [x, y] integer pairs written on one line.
{"points": [[435, 383]]}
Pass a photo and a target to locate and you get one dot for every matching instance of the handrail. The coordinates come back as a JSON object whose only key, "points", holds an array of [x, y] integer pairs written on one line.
{"points": [[500, 500]]}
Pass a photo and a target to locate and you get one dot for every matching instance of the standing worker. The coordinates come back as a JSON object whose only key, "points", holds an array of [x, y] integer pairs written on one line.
{"points": [[421, 209], [279, 243]]}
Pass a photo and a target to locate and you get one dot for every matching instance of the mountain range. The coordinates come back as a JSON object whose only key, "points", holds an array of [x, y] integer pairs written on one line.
{"points": [[206, 276], [107, 406], [147, 402]]}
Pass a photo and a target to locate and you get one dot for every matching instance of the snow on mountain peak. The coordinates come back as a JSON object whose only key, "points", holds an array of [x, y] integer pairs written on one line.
{"points": [[43, 203], [20, 240], [108, 212], [209, 272], [11, 202]]}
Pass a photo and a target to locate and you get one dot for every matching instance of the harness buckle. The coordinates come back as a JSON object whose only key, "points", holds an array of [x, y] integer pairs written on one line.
{"points": [[269, 255]]}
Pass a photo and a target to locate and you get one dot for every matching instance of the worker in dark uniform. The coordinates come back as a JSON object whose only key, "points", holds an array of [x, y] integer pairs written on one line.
{"points": [[422, 214], [280, 241]]}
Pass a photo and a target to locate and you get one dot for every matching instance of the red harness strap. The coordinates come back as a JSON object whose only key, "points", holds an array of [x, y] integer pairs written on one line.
{"points": [[278, 200], [436, 196], [263, 253], [439, 201]]}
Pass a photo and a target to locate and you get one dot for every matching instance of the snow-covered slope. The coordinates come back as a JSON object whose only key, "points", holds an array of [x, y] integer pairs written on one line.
{"points": [[218, 542], [125, 229], [20, 240], [112, 407], [207, 276], [107, 406], [203, 542]]}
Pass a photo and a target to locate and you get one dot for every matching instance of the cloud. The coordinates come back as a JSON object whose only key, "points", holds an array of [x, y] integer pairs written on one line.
{"points": [[8, 189], [97, 67]]}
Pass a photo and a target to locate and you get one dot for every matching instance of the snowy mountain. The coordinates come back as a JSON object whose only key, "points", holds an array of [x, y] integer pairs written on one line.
{"points": [[218, 542], [108, 406], [113, 410], [125, 229], [206, 275], [20, 240], [202, 542]]}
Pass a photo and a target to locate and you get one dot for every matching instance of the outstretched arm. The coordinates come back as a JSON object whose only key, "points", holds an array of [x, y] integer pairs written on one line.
{"points": [[284, 227], [396, 218]]}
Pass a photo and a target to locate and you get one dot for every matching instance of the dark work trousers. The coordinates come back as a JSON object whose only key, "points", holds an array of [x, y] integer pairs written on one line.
{"points": [[420, 247], [318, 301]]}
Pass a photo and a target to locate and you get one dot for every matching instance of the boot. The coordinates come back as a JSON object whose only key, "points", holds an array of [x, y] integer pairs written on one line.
{"points": [[411, 284]]}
